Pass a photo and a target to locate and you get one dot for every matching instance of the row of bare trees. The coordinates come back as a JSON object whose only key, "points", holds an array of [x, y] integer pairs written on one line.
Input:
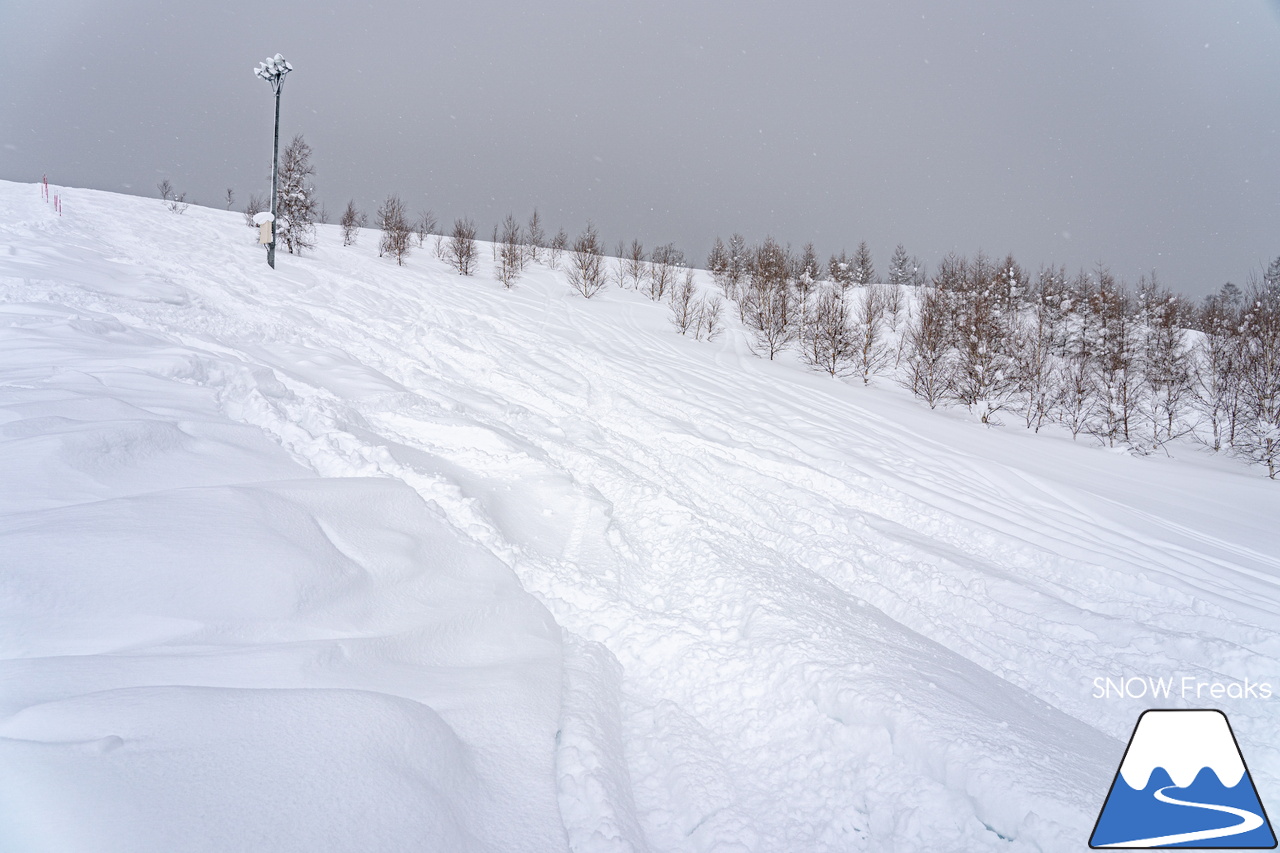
{"points": [[513, 246], [589, 268], [831, 313], [1136, 368]]}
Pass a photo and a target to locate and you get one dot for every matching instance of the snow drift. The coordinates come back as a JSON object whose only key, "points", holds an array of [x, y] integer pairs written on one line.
{"points": [[354, 556]]}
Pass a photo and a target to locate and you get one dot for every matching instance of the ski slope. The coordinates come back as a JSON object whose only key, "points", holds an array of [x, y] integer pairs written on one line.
{"points": [[356, 556]]}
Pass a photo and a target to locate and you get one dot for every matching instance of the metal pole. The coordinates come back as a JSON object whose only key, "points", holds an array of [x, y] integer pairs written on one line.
{"points": [[275, 166], [273, 69]]}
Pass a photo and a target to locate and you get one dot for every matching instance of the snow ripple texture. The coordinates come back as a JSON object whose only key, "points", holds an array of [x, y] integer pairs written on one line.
{"points": [[353, 551]]}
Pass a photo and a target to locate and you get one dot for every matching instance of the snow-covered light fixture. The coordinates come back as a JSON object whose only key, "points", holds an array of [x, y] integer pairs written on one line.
{"points": [[273, 69]]}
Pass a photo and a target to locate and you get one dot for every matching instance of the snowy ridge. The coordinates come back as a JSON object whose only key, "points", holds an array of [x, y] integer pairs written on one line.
{"points": [[792, 613], [1183, 743]]}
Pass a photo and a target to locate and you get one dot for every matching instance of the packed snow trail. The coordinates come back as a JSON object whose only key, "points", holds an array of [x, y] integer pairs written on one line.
{"points": [[799, 614]]}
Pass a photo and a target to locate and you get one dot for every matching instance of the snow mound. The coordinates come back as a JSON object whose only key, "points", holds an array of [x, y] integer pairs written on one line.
{"points": [[207, 647]]}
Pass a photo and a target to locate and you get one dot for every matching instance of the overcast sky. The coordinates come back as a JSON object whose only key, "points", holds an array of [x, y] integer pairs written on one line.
{"points": [[1141, 134]]}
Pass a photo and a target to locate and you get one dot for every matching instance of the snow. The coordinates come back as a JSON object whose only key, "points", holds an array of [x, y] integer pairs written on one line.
{"points": [[356, 556], [180, 598], [263, 216], [273, 68]]}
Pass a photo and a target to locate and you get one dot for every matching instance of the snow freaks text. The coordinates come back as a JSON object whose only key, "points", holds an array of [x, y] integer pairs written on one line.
{"points": [[1178, 687]]}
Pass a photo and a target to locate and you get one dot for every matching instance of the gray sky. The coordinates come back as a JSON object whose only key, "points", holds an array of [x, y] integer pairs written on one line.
{"points": [[1143, 134]]}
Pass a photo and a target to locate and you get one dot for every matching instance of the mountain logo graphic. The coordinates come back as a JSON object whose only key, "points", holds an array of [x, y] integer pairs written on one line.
{"points": [[1183, 783]]}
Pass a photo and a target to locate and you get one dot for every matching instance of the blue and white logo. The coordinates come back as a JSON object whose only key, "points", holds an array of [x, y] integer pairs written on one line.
{"points": [[1183, 783]]}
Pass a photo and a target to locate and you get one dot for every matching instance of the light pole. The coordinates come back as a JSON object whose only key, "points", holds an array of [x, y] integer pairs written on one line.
{"points": [[273, 69]]}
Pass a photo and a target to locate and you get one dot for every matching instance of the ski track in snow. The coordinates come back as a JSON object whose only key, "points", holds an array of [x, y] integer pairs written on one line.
{"points": [[797, 614]]}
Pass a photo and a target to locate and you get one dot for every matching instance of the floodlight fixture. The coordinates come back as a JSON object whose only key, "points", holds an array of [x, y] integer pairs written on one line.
{"points": [[272, 69]]}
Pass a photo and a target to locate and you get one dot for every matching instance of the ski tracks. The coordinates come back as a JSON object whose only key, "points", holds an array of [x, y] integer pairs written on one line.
{"points": [[799, 625]]}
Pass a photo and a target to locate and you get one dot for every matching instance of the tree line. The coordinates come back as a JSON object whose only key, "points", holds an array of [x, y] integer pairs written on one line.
{"points": [[1128, 367]]}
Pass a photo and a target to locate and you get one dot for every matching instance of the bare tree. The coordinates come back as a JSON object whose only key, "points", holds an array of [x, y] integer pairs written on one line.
{"points": [[1258, 437], [395, 229], [770, 265], [828, 344], [619, 263], [296, 204], [702, 316], [559, 244], [1054, 298], [710, 318], [980, 378], [665, 263], [352, 221], [174, 200], [1078, 395], [462, 253], [768, 308], [1166, 366], [1116, 351], [919, 275], [893, 305], [256, 204], [684, 307], [1011, 284], [587, 271], [718, 264], [775, 321], [951, 274], [511, 252], [632, 267], [230, 197], [424, 226], [928, 343], [535, 237], [1078, 399], [739, 267], [1035, 375], [1218, 374], [870, 354]]}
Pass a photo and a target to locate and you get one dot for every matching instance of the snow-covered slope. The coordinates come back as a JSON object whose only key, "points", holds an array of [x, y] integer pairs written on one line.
{"points": [[281, 553]]}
